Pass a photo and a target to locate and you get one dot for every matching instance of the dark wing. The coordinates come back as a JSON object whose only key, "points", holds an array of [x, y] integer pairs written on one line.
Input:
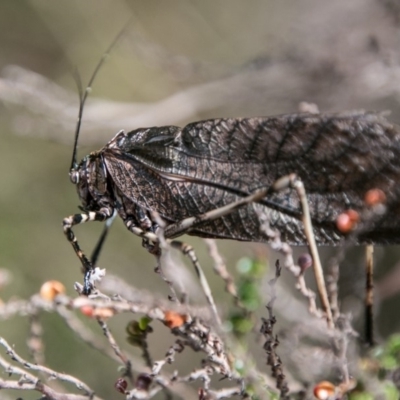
{"points": [[338, 157], [175, 200]]}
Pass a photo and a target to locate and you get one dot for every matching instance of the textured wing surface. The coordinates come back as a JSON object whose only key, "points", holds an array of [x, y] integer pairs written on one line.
{"points": [[338, 157]]}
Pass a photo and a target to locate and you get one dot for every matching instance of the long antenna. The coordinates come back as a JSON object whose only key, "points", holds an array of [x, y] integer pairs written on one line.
{"points": [[83, 95]]}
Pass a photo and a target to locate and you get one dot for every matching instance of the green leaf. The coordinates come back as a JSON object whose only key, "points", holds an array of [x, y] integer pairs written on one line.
{"points": [[144, 323]]}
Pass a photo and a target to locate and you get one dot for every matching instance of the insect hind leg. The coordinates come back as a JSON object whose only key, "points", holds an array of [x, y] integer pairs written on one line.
{"points": [[188, 251], [76, 219], [183, 226], [100, 243], [151, 239]]}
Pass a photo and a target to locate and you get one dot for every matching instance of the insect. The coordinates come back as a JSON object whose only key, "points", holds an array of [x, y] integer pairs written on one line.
{"points": [[194, 176]]}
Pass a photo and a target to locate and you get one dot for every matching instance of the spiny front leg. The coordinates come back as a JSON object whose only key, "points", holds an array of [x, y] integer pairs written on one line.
{"points": [[76, 219]]}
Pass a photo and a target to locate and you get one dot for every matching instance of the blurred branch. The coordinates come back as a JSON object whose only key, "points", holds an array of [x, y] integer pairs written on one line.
{"points": [[30, 382], [221, 270], [370, 80]]}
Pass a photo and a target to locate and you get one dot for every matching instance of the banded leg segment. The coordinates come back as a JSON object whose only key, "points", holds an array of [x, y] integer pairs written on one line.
{"points": [[76, 219]]}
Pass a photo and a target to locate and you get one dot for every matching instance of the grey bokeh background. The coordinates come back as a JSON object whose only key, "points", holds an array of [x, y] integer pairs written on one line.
{"points": [[178, 61]]}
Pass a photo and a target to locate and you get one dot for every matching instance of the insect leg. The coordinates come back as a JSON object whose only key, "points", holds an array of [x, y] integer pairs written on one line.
{"points": [[181, 227], [99, 245], [136, 230], [76, 219], [186, 250], [290, 180]]}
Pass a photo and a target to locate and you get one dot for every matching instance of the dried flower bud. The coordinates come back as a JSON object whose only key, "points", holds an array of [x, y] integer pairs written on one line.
{"points": [[202, 394], [304, 261], [103, 312], [121, 384], [143, 382], [51, 289]]}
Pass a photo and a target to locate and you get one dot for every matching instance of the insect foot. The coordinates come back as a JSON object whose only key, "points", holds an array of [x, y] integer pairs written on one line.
{"points": [[90, 273]]}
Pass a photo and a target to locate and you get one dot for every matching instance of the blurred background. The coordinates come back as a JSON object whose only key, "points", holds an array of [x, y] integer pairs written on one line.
{"points": [[177, 62]]}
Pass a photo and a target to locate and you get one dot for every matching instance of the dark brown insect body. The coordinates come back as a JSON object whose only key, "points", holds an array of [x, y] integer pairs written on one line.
{"points": [[186, 172]]}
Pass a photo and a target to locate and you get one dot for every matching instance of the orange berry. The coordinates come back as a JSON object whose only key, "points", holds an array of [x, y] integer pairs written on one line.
{"points": [[51, 289], [173, 319], [374, 197], [354, 215], [324, 390], [87, 310], [347, 220], [92, 312]]}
